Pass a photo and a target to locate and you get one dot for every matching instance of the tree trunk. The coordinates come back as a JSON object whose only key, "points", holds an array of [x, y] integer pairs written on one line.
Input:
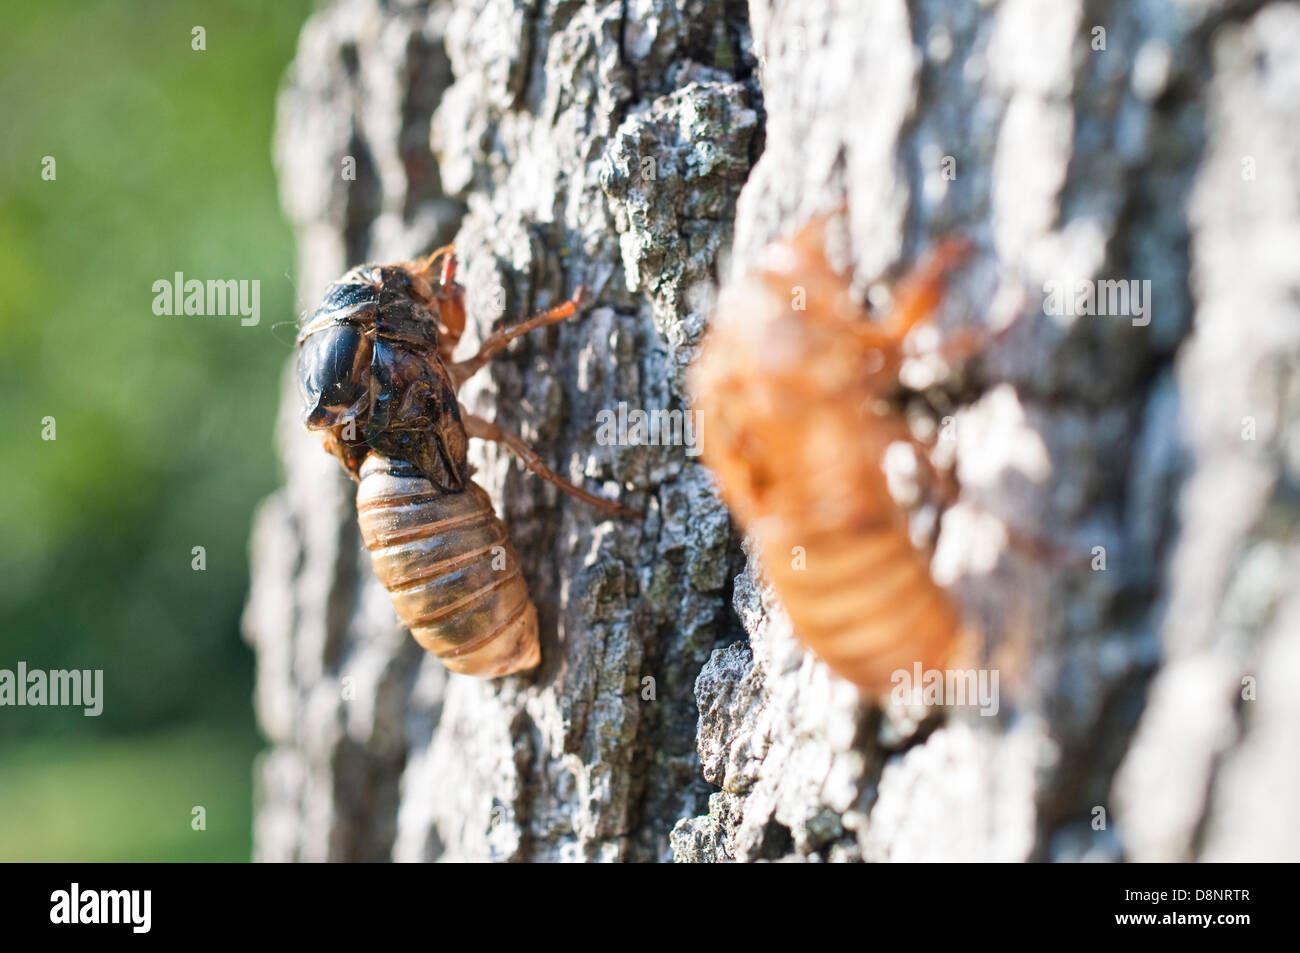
{"points": [[674, 716]]}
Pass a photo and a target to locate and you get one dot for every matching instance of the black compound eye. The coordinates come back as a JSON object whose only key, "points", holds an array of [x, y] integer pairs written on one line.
{"points": [[327, 370], [340, 393]]}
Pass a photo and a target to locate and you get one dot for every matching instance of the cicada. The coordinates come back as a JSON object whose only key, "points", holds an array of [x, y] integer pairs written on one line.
{"points": [[791, 384], [379, 382]]}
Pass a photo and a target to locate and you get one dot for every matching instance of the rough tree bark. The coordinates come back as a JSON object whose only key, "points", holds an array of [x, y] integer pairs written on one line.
{"points": [[674, 716]]}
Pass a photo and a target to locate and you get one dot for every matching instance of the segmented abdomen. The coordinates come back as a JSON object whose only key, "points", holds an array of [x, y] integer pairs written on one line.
{"points": [[447, 561], [787, 401], [804, 477], [861, 597]]}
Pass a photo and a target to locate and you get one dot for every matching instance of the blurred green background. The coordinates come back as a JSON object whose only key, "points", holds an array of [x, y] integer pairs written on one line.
{"points": [[164, 424]]}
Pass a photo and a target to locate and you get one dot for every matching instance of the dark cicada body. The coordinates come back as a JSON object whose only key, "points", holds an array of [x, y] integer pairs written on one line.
{"points": [[378, 381], [373, 380]]}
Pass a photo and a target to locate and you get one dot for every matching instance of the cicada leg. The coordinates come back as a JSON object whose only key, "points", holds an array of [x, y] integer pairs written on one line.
{"points": [[917, 296], [476, 426], [945, 489], [447, 300], [495, 342]]}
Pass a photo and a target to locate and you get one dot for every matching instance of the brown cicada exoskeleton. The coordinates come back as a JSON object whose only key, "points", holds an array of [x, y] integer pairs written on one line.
{"points": [[376, 369], [790, 383]]}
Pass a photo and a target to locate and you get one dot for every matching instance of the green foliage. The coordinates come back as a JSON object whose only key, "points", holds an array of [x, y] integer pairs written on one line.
{"points": [[131, 799], [164, 424]]}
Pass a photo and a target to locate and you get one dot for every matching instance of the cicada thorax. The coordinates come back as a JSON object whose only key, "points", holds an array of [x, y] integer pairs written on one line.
{"points": [[789, 400], [446, 559]]}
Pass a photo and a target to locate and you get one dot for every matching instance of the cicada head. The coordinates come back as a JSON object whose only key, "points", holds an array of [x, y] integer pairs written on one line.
{"points": [[335, 353], [372, 380]]}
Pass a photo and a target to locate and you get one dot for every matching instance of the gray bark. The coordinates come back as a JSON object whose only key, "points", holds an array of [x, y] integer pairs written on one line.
{"points": [[674, 715]]}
